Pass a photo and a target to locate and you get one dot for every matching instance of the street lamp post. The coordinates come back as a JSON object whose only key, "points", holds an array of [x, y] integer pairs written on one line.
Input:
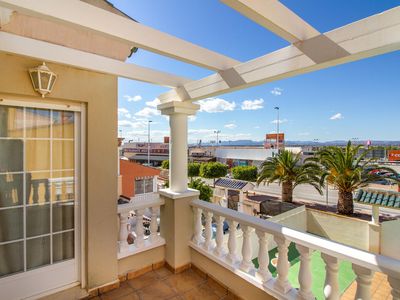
{"points": [[277, 128], [148, 142], [217, 132]]}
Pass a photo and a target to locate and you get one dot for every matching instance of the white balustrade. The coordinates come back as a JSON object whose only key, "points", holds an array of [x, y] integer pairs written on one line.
{"points": [[305, 277], [246, 264], [145, 206], [364, 263]]}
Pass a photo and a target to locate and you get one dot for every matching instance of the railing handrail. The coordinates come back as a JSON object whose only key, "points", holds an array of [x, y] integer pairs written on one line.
{"points": [[366, 259], [152, 200]]}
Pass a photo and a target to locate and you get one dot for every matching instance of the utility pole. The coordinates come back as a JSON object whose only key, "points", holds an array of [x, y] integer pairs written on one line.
{"points": [[277, 129], [148, 142]]}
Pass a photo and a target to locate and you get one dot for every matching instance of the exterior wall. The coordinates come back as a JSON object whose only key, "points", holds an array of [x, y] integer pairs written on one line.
{"points": [[141, 260], [345, 230], [99, 93], [130, 171], [236, 284], [390, 242]]}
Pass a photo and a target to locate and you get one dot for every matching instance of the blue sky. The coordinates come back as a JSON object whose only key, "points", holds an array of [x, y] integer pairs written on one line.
{"points": [[356, 100]]}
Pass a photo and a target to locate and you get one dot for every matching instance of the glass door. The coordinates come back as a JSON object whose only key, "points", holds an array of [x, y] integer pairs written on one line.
{"points": [[39, 213]]}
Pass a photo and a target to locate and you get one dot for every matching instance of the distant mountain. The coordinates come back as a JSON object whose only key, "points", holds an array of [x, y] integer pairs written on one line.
{"points": [[302, 143]]}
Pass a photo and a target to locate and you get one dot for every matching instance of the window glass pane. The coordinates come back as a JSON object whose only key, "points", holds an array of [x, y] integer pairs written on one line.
{"points": [[62, 185], [139, 186], [149, 186], [37, 123], [63, 216], [38, 252], [63, 124], [37, 220], [37, 187], [11, 121], [11, 224], [11, 258], [11, 190], [63, 155], [63, 246], [11, 156], [37, 155]]}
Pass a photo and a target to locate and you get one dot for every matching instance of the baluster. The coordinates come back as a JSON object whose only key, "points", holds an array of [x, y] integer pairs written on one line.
{"points": [[153, 224], [123, 231], [395, 285], [331, 288], [247, 252], [305, 277], [219, 251], [197, 237], [70, 188], [263, 272], [364, 279], [139, 242], [47, 190], [208, 231], [282, 283], [232, 256], [35, 194], [58, 187]]}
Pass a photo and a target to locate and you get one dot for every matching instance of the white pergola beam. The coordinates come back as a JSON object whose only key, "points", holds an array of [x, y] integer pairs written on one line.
{"points": [[86, 16], [275, 17], [48, 52], [368, 37]]}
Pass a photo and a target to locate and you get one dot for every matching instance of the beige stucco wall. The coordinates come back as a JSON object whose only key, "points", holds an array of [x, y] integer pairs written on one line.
{"points": [[99, 93], [390, 241], [345, 230], [236, 284], [141, 260]]}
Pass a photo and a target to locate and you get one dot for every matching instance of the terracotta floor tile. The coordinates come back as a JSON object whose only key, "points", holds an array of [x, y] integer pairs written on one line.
{"points": [[143, 281], [132, 296], [158, 290], [184, 281], [123, 290], [214, 286], [163, 272], [200, 293]]}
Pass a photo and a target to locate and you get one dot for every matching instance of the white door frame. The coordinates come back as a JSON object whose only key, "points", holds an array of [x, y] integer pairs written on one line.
{"points": [[80, 190]]}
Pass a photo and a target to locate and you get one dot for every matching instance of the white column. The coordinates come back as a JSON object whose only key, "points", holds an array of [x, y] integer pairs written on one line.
{"points": [[282, 282], [123, 231], [305, 276], [232, 256], [197, 237], [219, 250], [263, 272], [240, 203], [331, 288], [208, 243], [153, 224], [395, 285], [375, 214], [364, 280], [178, 112], [139, 242], [247, 252]]}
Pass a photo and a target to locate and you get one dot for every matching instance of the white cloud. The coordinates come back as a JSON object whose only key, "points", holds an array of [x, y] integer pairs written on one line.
{"points": [[276, 91], [230, 126], [337, 116], [201, 131], [147, 112], [133, 98], [214, 105], [280, 121], [153, 103], [123, 112], [252, 104], [192, 118], [130, 124]]}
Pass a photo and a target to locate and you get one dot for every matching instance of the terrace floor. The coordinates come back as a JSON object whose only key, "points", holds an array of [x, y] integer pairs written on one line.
{"points": [[380, 289]]}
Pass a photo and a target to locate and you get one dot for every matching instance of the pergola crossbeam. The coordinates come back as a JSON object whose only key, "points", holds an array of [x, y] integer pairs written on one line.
{"points": [[368, 37], [75, 13], [48, 52]]}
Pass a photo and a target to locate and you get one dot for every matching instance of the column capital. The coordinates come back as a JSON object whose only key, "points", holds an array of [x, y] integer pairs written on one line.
{"points": [[178, 107]]}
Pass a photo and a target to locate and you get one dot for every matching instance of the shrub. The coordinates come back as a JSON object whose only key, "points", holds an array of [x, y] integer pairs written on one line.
{"points": [[248, 173], [205, 191], [165, 164], [213, 170], [193, 170]]}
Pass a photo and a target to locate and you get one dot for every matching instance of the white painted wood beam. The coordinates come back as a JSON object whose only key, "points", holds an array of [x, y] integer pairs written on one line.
{"points": [[48, 52], [368, 37], [83, 15], [275, 17]]}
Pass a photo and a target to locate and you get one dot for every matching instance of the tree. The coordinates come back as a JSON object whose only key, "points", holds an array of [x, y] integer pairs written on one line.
{"points": [[205, 191], [347, 170], [213, 170], [248, 173], [165, 164], [193, 170], [285, 168]]}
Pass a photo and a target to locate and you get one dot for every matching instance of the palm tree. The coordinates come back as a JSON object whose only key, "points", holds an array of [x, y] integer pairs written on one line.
{"points": [[347, 170], [285, 168]]}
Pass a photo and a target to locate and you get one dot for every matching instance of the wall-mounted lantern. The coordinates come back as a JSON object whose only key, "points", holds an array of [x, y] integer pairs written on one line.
{"points": [[43, 79]]}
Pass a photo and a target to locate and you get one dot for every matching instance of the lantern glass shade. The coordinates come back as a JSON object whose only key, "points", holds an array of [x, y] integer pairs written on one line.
{"points": [[43, 79]]}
